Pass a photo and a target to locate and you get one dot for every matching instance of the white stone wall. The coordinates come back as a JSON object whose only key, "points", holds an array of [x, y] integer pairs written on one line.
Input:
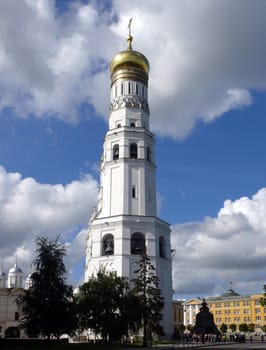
{"points": [[9, 308], [123, 262]]}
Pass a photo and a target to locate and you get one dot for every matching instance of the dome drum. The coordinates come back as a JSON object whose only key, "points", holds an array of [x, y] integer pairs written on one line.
{"points": [[125, 72]]}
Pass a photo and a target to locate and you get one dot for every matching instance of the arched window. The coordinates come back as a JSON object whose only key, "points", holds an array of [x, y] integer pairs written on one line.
{"points": [[16, 316], [162, 247], [108, 245], [119, 125], [115, 152], [133, 151], [132, 124], [148, 153], [137, 243]]}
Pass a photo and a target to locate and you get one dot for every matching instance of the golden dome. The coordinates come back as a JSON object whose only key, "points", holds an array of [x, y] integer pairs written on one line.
{"points": [[129, 57]]}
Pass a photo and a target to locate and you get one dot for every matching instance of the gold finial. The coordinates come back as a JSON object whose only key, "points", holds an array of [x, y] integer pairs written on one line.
{"points": [[129, 38]]}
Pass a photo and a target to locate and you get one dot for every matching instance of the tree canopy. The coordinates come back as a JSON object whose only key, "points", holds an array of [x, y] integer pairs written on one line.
{"points": [[232, 326], [223, 328], [108, 307], [48, 307], [146, 285]]}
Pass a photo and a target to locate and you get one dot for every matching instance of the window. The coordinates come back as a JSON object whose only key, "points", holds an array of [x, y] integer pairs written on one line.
{"points": [[148, 153], [108, 245], [133, 151], [137, 243], [122, 89], [16, 316], [115, 152], [129, 88], [132, 124], [162, 247], [137, 89], [133, 191], [118, 125]]}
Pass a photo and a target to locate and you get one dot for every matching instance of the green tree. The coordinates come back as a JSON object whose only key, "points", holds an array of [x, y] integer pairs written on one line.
{"points": [[263, 328], [190, 328], [48, 307], [146, 285], [232, 326], [223, 328], [181, 328], [251, 327], [108, 307], [243, 327]]}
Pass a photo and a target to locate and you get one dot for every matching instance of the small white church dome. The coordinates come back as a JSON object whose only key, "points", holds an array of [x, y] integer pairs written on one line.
{"points": [[15, 269], [15, 277]]}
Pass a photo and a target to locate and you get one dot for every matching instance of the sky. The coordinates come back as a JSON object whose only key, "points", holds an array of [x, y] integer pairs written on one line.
{"points": [[207, 97]]}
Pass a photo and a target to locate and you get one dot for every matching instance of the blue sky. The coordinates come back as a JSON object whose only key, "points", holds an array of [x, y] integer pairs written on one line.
{"points": [[207, 101]]}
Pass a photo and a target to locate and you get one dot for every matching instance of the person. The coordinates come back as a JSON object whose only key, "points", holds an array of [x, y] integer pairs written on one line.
{"points": [[251, 339]]}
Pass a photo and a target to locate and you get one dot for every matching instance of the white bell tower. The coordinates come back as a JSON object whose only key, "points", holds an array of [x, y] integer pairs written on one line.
{"points": [[125, 222]]}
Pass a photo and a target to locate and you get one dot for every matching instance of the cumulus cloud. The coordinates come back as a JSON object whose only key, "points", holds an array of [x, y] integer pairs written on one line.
{"points": [[47, 62], [229, 247], [29, 209], [205, 59]]}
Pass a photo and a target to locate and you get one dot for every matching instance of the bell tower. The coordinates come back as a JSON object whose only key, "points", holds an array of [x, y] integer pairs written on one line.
{"points": [[125, 222]]}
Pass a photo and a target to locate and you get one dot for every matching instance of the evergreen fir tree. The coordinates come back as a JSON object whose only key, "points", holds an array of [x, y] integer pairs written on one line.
{"points": [[48, 307], [146, 285]]}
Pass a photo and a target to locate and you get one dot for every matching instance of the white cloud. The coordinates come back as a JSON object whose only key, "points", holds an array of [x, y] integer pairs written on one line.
{"points": [[229, 247], [29, 209], [205, 59]]}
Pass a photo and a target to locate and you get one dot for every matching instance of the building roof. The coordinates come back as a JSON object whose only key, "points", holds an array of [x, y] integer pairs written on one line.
{"points": [[230, 293], [129, 57]]}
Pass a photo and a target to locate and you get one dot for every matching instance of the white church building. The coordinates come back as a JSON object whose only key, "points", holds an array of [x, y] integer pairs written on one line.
{"points": [[125, 222], [11, 286]]}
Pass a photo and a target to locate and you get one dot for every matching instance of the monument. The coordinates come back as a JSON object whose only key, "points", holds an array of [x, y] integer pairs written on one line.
{"points": [[204, 321]]}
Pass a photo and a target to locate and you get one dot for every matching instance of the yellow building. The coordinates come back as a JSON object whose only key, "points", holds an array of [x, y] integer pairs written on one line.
{"points": [[178, 314], [229, 308]]}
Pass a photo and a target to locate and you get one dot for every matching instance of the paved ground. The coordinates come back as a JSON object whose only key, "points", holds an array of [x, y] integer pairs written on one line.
{"points": [[237, 346], [227, 346]]}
